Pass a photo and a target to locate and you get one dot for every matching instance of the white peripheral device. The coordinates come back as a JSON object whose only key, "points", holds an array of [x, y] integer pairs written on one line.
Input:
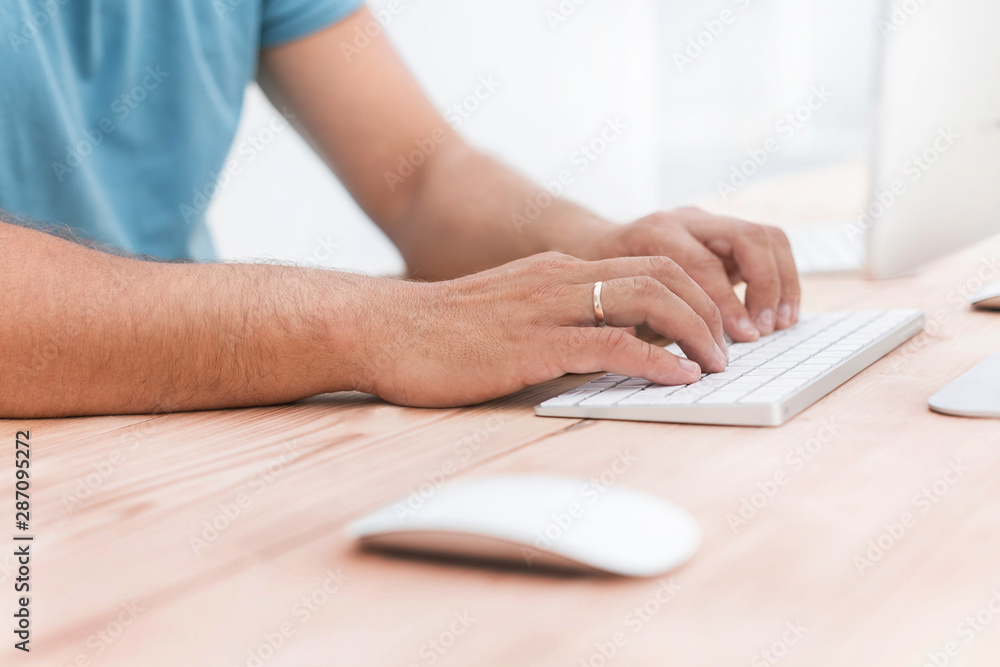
{"points": [[766, 383], [556, 522], [937, 153], [974, 394], [987, 298], [824, 247]]}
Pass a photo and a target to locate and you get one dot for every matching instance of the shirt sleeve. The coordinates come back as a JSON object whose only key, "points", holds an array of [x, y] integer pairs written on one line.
{"points": [[287, 20]]}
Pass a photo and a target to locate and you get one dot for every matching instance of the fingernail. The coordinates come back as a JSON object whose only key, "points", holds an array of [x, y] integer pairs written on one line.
{"points": [[795, 313], [690, 367], [721, 356], [747, 327], [784, 314], [765, 321]]}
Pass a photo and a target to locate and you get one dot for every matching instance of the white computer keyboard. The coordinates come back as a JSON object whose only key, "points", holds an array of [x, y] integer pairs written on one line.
{"points": [[766, 382]]}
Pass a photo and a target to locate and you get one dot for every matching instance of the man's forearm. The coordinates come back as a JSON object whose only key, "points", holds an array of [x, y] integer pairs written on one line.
{"points": [[89, 333], [471, 212]]}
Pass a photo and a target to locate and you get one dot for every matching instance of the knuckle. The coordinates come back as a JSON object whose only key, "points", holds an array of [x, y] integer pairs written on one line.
{"points": [[691, 211], [657, 217], [767, 281], [644, 286], [577, 339], [706, 263], [550, 261], [714, 317], [615, 339], [778, 235], [664, 266], [756, 234]]}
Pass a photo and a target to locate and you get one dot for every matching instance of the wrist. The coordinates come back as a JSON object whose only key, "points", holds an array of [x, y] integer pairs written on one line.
{"points": [[589, 237], [348, 305], [369, 336]]}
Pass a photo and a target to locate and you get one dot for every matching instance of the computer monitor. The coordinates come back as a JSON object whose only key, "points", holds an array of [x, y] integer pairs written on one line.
{"points": [[936, 172]]}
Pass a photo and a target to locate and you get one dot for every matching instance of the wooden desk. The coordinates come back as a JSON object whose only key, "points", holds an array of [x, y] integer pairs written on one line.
{"points": [[117, 580]]}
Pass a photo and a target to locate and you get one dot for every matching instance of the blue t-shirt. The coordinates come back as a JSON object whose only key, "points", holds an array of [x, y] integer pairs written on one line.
{"points": [[116, 115]]}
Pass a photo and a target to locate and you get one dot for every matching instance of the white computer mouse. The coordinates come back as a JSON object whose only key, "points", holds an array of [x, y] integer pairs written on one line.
{"points": [[558, 522], [987, 298]]}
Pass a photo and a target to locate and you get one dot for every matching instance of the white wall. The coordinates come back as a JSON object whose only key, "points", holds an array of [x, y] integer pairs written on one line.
{"points": [[758, 68], [559, 85], [688, 127]]}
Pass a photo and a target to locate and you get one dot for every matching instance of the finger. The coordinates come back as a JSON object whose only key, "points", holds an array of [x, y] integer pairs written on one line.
{"points": [[645, 300], [791, 292], [589, 350], [754, 256], [666, 272], [709, 271]]}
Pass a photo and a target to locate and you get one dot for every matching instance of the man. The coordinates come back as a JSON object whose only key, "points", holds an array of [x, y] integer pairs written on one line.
{"points": [[115, 111]]}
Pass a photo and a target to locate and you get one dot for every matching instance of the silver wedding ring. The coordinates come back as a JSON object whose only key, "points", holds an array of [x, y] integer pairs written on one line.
{"points": [[598, 308]]}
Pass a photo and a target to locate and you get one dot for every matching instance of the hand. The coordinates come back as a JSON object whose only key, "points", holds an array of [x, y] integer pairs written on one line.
{"points": [[718, 253], [486, 335]]}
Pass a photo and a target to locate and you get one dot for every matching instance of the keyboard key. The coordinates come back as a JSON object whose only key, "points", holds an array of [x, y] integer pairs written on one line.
{"points": [[799, 373], [570, 399], [763, 397], [812, 367], [722, 398], [715, 379], [787, 382], [749, 381], [725, 376], [659, 391], [600, 383], [608, 397], [766, 372], [635, 382], [828, 359], [780, 363]]}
